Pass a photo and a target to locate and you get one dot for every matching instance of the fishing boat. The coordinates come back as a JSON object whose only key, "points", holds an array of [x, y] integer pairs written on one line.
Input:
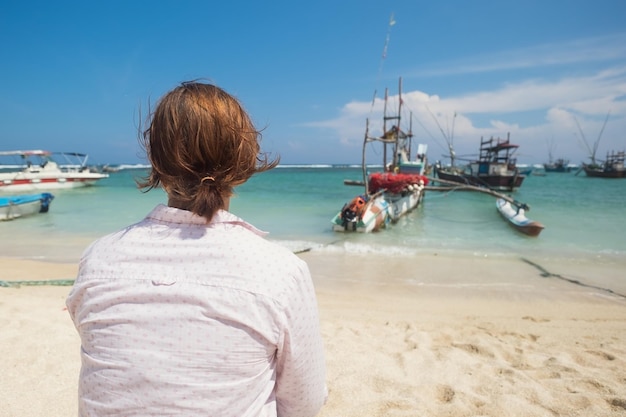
{"points": [[363, 214], [12, 207], [38, 170], [389, 194], [495, 167], [515, 214], [612, 167], [558, 165], [555, 165]]}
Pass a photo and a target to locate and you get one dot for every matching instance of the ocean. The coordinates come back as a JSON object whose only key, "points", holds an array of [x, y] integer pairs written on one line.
{"points": [[583, 217]]}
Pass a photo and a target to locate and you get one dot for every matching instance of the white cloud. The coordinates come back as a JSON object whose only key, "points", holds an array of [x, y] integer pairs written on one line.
{"points": [[533, 111], [596, 49]]}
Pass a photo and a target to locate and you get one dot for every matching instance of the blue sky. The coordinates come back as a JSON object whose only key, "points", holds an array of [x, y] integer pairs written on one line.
{"points": [[78, 76]]}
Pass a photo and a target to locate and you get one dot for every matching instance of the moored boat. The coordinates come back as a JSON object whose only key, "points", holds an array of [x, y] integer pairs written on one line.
{"points": [[12, 207], [363, 214], [495, 167], [612, 167], [516, 216], [559, 165], [555, 165], [39, 170], [390, 194]]}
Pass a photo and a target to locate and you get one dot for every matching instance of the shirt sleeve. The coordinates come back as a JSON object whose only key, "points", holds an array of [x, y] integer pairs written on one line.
{"points": [[301, 369]]}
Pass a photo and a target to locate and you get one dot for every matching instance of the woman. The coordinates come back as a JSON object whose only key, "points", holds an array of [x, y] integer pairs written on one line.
{"points": [[191, 311]]}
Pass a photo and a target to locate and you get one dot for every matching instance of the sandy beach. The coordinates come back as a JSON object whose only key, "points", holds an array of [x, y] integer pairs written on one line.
{"points": [[441, 337]]}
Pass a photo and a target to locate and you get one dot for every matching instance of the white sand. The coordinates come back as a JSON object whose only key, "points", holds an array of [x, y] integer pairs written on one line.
{"points": [[441, 337]]}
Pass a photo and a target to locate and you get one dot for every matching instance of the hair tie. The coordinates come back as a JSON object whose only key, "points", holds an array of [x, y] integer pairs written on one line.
{"points": [[207, 178]]}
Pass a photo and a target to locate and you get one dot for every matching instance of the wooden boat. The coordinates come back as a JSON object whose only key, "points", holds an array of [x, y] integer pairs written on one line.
{"points": [[494, 169], [555, 165], [390, 194], [515, 214], [13, 207], [39, 170], [559, 165], [612, 167]]}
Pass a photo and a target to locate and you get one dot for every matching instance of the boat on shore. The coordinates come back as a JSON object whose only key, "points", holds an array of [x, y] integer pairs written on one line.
{"points": [[515, 214], [495, 167], [389, 194], [38, 170], [13, 207], [612, 167]]}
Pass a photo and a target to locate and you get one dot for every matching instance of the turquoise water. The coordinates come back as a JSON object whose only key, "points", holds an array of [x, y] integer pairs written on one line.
{"points": [[584, 217]]}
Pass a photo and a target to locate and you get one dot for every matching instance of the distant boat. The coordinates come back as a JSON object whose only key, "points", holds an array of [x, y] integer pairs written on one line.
{"points": [[390, 194], [558, 165], [516, 216], [13, 207], [494, 169], [612, 167], [43, 170]]}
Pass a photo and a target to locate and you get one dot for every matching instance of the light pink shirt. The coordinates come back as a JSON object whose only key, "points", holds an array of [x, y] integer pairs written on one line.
{"points": [[180, 317]]}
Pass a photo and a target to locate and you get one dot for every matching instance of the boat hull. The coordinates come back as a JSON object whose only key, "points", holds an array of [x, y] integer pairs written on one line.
{"points": [[556, 168], [401, 204], [38, 171], [603, 173], [371, 217], [13, 207], [517, 218], [494, 182], [12, 183]]}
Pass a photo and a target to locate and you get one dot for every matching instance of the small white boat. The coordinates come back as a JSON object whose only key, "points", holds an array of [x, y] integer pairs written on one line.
{"points": [[12, 207], [43, 170], [363, 214], [516, 216]]}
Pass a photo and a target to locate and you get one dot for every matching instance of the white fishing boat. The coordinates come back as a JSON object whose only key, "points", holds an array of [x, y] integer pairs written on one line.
{"points": [[516, 216], [12, 207], [38, 170], [363, 214], [390, 194]]}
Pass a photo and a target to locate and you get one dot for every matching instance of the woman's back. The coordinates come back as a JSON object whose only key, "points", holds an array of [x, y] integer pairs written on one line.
{"points": [[180, 317]]}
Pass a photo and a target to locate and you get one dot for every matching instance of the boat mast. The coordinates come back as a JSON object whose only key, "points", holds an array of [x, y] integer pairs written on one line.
{"points": [[363, 166], [394, 134], [397, 136], [385, 129]]}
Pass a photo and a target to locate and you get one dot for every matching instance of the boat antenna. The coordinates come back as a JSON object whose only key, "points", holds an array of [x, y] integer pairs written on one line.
{"points": [[392, 22], [551, 147], [595, 146], [592, 152], [448, 138]]}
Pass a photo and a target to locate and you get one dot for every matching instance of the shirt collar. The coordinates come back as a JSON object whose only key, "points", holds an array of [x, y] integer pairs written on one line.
{"points": [[166, 214]]}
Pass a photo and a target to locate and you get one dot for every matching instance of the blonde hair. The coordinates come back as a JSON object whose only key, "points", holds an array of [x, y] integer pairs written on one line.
{"points": [[201, 144]]}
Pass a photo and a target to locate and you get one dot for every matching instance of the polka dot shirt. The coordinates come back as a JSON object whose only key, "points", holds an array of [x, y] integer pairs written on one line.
{"points": [[180, 317]]}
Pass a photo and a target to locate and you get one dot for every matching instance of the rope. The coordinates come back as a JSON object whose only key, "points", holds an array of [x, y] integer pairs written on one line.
{"points": [[547, 274], [56, 282]]}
